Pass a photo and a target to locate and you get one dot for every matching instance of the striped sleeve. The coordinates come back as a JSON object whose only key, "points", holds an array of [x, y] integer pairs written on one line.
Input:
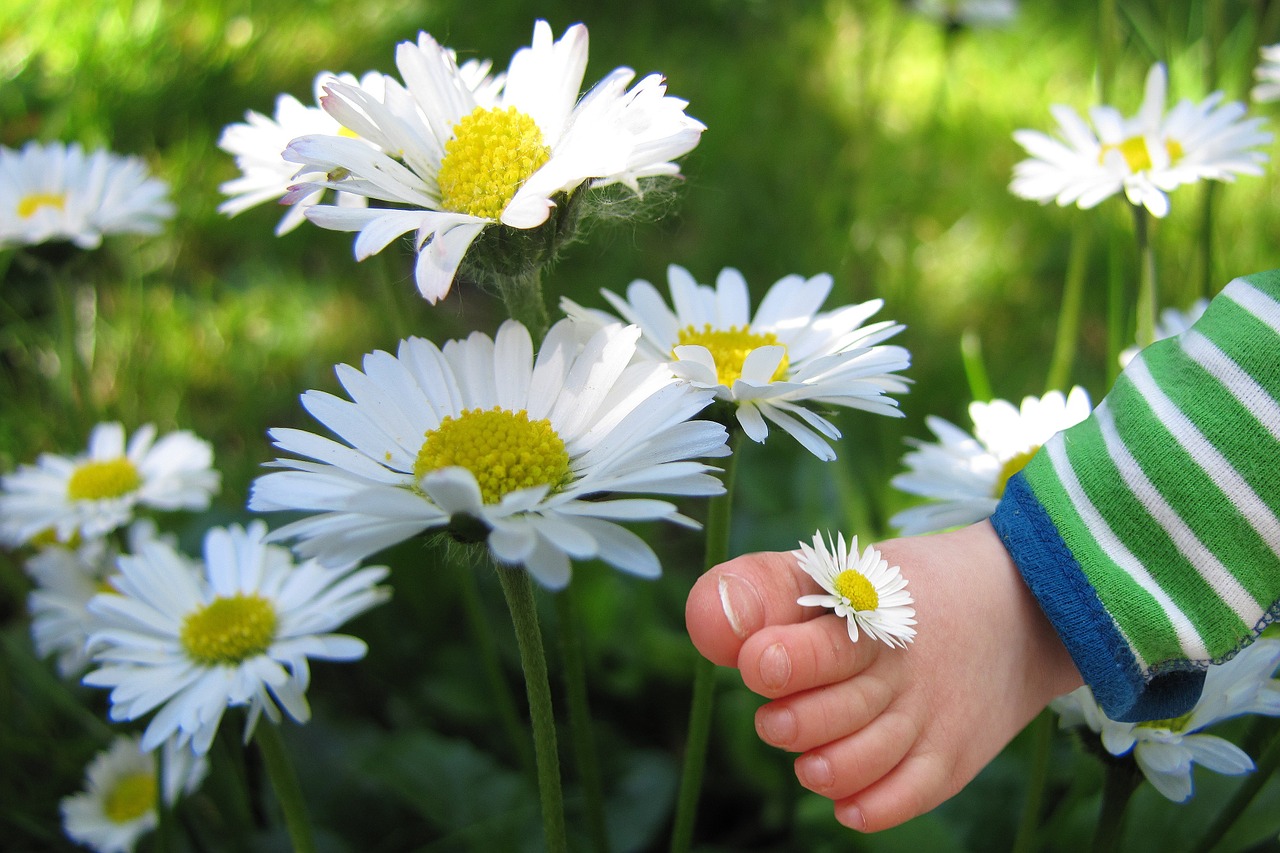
{"points": [[1150, 532]]}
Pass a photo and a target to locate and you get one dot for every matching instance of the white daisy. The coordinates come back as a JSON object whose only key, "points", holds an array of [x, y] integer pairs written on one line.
{"points": [[864, 590], [1268, 75], [118, 804], [480, 439], [258, 144], [96, 492], [782, 365], [57, 192], [66, 578], [465, 157], [1166, 749], [1172, 322], [964, 475], [189, 640], [1146, 155]]}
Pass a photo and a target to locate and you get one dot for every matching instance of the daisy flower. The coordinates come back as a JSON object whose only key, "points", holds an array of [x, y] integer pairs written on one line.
{"points": [[57, 192], [780, 365], [964, 475], [1147, 155], [1268, 75], [66, 578], [1172, 322], [1166, 749], [118, 804], [188, 640], [453, 158], [864, 590], [479, 439], [94, 493], [258, 144]]}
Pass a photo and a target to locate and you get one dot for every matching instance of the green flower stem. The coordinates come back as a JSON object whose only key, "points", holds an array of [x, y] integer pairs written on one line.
{"points": [[1064, 346], [1108, 47], [164, 812], [1122, 778], [1207, 280], [580, 729], [1117, 291], [975, 370], [1041, 731], [1249, 788], [1147, 299], [285, 782], [523, 298], [499, 687], [719, 514], [518, 589]]}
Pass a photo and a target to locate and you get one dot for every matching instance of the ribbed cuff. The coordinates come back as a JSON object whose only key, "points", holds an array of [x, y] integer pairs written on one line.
{"points": [[1102, 655]]}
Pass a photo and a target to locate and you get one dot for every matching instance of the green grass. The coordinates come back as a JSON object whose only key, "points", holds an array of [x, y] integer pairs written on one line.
{"points": [[844, 137]]}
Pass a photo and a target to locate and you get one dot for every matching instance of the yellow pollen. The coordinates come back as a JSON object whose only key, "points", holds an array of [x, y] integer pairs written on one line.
{"points": [[1173, 724], [100, 479], [229, 630], [1011, 467], [132, 797], [1136, 154], [730, 348], [492, 153], [854, 587], [29, 204], [503, 449], [347, 132]]}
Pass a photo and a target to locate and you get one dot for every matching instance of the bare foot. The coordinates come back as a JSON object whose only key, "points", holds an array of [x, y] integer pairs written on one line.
{"points": [[888, 734]]}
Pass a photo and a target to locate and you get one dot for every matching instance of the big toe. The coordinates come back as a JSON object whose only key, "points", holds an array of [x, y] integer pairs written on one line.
{"points": [[736, 599]]}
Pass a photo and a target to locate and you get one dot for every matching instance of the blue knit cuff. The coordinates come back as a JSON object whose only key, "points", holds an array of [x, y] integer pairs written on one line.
{"points": [[1091, 636]]}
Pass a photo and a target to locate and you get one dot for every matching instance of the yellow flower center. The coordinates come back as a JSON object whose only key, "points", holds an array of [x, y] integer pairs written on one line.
{"points": [[29, 204], [1015, 464], [1137, 156], [730, 348], [492, 153], [854, 587], [229, 630], [1173, 724], [101, 479], [503, 449], [132, 797]]}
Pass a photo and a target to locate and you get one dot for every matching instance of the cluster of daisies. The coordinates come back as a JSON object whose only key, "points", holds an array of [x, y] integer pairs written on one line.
{"points": [[537, 451], [120, 606], [540, 452]]}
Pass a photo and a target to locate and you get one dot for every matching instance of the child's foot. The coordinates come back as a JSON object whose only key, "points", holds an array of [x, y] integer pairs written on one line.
{"points": [[888, 733]]}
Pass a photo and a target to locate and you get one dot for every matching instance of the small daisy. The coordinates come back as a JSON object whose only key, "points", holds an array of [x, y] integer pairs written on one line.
{"points": [[57, 192], [1147, 155], [964, 475], [118, 805], [94, 493], [467, 157], [66, 578], [189, 640], [866, 590], [259, 141], [1172, 322], [781, 365], [1166, 749], [1268, 75], [481, 439]]}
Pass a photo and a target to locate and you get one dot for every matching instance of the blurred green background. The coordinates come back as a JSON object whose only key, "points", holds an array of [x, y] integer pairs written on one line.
{"points": [[854, 137]]}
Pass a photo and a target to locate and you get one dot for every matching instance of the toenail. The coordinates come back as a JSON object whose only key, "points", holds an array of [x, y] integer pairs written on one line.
{"points": [[742, 605], [851, 816], [778, 725], [815, 772], [775, 667]]}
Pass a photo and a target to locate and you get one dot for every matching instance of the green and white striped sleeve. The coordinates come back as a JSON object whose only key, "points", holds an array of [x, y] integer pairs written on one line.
{"points": [[1150, 532]]}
